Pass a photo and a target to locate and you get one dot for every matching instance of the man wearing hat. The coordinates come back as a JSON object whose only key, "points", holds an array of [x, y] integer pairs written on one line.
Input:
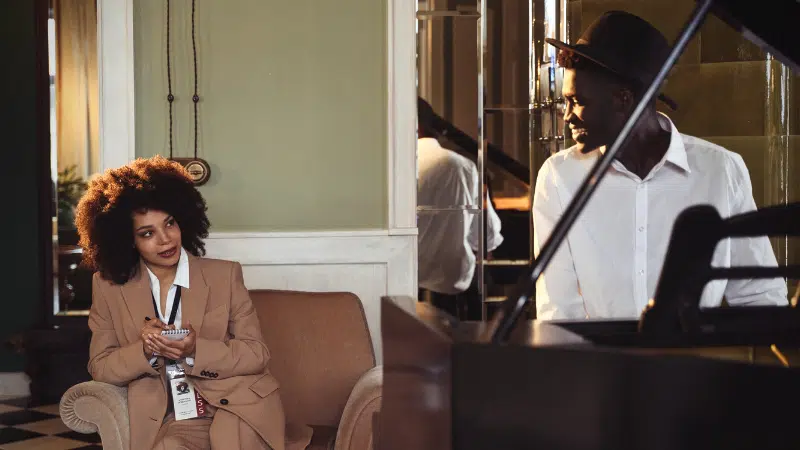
{"points": [[609, 265]]}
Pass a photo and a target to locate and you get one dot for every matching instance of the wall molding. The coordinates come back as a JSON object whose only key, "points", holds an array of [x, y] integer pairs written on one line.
{"points": [[321, 247]]}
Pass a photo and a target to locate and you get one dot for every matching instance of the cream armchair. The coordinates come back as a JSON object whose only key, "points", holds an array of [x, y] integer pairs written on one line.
{"points": [[321, 354]]}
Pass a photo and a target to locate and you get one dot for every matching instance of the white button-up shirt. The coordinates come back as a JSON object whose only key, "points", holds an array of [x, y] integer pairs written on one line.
{"points": [[610, 263], [181, 280], [448, 239]]}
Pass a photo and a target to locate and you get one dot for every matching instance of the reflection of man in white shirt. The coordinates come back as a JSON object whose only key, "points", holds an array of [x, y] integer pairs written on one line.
{"points": [[449, 239], [609, 265]]}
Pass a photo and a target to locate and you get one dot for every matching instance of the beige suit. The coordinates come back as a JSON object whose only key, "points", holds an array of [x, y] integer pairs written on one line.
{"points": [[230, 358]]}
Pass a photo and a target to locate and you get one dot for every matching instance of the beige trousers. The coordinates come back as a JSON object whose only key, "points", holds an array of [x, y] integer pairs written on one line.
{"points": [[224, 431]]}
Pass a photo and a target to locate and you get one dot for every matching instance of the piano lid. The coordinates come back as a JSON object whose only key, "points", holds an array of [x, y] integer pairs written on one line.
{"points": [[770, 24]]}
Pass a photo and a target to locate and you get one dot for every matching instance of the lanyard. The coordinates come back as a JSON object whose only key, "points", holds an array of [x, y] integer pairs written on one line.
{"points": [[175, 303]]}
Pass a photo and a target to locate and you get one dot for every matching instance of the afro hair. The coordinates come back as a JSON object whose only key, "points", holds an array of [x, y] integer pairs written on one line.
{"points": [[104, 217]]}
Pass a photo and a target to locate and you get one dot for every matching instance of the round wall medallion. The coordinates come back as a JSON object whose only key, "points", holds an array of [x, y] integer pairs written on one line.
{"points": [[198, 169]]}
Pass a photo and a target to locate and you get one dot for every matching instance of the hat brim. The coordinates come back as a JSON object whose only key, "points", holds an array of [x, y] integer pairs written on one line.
{"points": [[586, 53]]}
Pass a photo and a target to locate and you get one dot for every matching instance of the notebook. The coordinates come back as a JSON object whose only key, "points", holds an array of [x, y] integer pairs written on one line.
{"points": [[175, 335]]}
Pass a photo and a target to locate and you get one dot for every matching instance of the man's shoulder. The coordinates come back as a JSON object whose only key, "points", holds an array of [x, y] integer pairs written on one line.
{"points": [[709, 155], [569, 160], [446, 160], [461, 162]]}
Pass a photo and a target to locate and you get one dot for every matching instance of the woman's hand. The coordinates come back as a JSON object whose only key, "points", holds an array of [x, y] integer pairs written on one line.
{"points": [[151, 327], [176, 350]]}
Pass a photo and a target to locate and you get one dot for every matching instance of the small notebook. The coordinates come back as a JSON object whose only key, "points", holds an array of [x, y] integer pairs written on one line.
{"points": [[175, 335]]}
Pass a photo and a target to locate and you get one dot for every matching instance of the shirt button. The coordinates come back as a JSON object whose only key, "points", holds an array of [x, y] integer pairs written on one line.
{"points": [[641, 228], [641, 272]]}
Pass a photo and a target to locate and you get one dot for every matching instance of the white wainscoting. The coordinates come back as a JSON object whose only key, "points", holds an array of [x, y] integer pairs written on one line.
{"points": [[370, 264]]}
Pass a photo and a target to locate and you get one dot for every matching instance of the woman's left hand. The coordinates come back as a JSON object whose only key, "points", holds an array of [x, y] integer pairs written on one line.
{"points": [[176, 350]]}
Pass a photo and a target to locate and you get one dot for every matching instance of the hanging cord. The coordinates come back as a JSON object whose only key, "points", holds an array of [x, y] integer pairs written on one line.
{"points": [[195, 97], [170, 97]]}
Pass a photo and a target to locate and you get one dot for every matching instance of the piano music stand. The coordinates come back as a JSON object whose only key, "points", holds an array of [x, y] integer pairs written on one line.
{"points": [[675, 313]]}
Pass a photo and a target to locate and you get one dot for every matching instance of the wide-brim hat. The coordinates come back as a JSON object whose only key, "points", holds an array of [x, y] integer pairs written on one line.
{"points": [[626, 45]]}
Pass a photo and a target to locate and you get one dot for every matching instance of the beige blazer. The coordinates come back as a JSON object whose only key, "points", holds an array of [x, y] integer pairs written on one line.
{"points": [[230, 358]]}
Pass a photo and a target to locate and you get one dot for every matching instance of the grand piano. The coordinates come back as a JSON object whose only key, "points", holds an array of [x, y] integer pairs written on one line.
{"points": [[679, 378]]}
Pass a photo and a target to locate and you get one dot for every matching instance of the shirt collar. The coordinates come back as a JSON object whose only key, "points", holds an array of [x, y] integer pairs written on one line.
{"points": [[676, 152], [181, 274]]}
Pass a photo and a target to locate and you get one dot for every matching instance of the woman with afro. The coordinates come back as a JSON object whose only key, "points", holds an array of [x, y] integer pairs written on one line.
{"points": [[142, 227]]}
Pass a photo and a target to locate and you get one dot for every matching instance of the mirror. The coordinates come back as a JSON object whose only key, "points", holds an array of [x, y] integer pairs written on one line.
{"points": [[75, 149]]}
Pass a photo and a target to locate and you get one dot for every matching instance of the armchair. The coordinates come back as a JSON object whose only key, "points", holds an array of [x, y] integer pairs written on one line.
{"points": [[321, 353]]}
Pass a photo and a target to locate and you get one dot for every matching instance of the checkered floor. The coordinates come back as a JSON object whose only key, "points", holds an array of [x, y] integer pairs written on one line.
{"points": [[39, 428]]}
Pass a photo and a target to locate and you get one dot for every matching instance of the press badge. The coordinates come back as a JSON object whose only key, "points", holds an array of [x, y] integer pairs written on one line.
{"points": [[186, 401]]}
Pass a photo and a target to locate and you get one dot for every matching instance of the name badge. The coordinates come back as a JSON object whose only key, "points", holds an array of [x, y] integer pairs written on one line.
{"points": [[186, 401]]}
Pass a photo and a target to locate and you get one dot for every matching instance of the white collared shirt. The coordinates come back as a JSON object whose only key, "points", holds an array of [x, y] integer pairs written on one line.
{"points": [[448, 239], [610, 263], [181, 280]]}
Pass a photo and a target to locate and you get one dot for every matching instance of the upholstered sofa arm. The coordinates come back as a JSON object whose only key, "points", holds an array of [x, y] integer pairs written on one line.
{"points": [[94, 407], [355, 428]]}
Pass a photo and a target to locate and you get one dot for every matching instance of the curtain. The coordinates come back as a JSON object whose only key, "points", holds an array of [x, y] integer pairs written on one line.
{"points": [[76, 82]]}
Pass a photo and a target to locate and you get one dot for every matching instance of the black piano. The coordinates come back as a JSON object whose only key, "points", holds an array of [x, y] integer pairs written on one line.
{"points": [[680, 378]]}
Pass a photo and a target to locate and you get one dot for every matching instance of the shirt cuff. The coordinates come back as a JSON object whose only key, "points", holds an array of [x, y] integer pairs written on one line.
{"points": [[189, 361]]}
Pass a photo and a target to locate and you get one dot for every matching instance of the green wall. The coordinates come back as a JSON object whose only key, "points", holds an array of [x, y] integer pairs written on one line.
{"points": [[21, 144], [293, 112]]}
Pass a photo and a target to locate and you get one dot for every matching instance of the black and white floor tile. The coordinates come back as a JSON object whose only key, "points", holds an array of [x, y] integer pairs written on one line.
{"points": [[39, 428]]}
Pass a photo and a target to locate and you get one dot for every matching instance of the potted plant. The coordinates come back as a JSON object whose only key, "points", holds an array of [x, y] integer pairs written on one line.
{"points": [[70, 188]]}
